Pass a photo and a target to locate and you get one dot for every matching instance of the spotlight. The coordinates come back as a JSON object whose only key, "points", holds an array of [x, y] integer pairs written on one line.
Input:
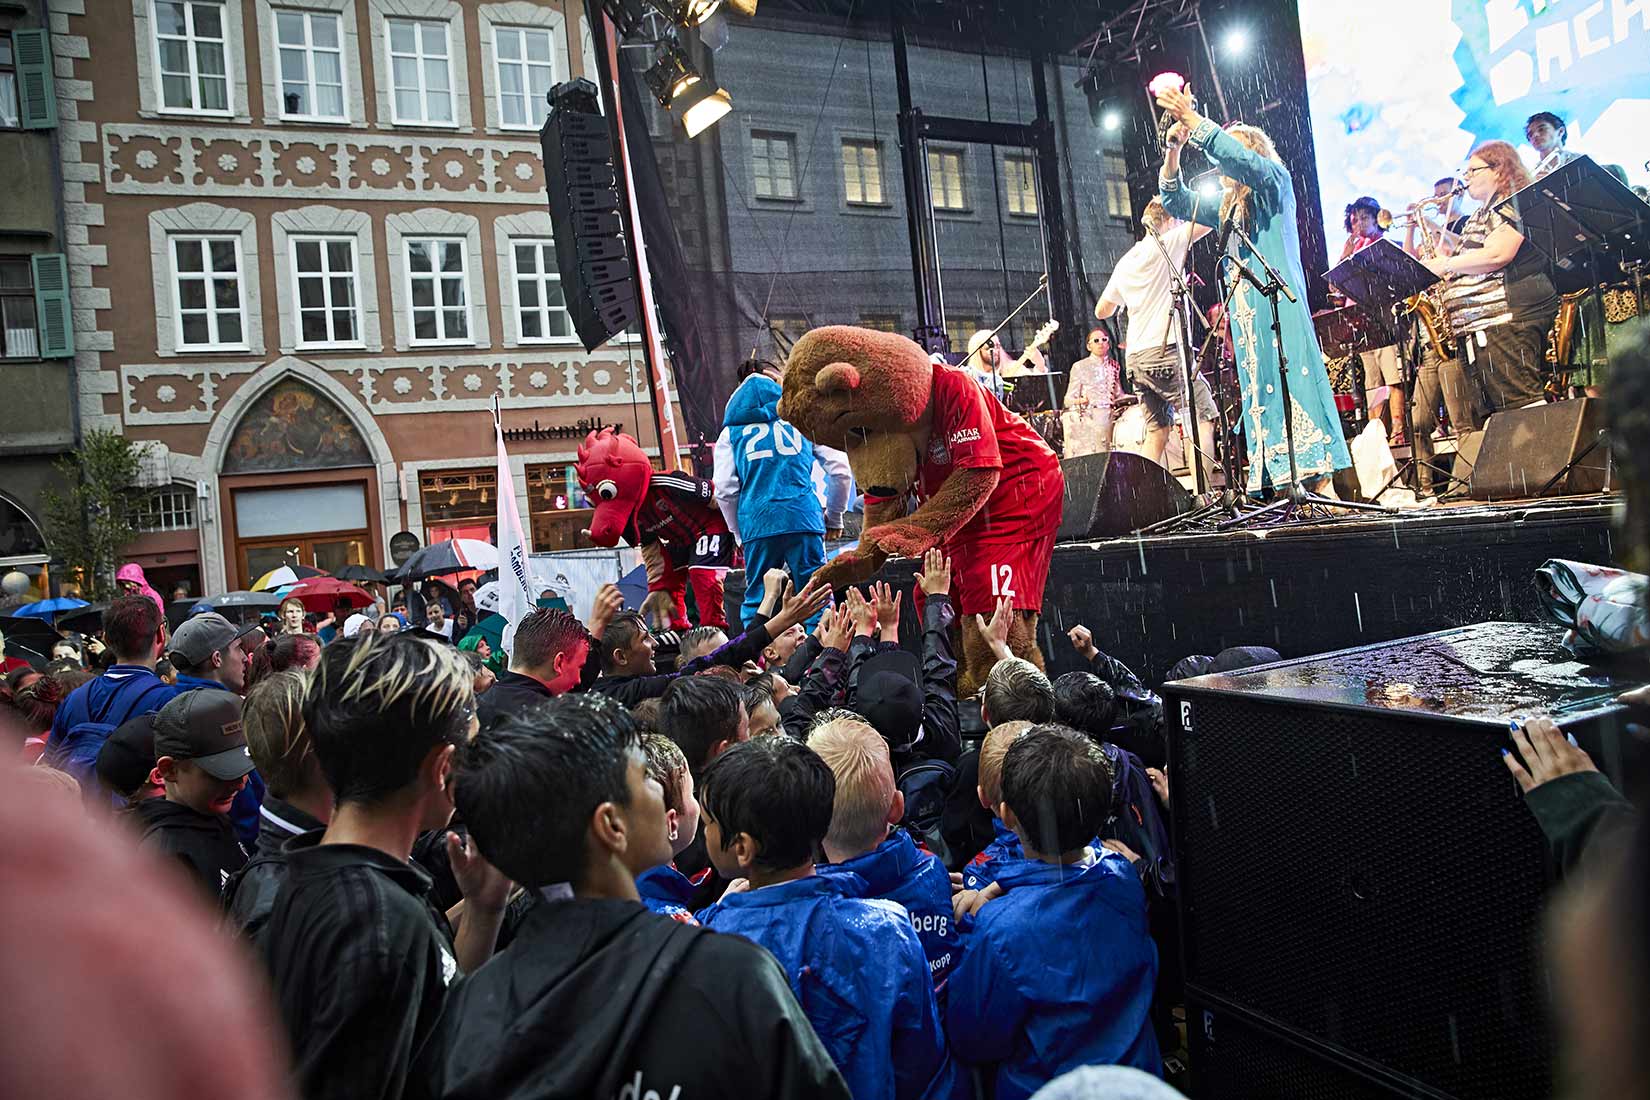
{"points": [[1111, 121], [677, 85], [670, 75], [687, 13], [1208, 189], [1236, 42], [703, 104]]}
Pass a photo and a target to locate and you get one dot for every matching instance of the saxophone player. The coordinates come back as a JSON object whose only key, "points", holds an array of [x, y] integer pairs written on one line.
{"points": [[1439, 375], [1381, 365]]}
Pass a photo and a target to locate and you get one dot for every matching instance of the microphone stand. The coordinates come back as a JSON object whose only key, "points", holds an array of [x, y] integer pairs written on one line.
{"points": [[1294, 498], [1042, 285]]}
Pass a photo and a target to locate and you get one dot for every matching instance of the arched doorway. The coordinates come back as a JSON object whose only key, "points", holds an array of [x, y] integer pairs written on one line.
{"points": [[23, 550], [297, 484]]}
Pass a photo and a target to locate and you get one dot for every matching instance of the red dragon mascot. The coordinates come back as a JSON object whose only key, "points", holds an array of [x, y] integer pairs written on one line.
{"points": [[672, 518]]}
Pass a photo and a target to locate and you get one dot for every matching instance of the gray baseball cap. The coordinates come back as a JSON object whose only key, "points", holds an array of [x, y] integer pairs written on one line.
{"points": [[203, 635]]}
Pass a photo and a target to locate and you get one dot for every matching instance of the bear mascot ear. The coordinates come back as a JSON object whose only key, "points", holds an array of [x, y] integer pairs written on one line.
{"points": [[614, 474]]}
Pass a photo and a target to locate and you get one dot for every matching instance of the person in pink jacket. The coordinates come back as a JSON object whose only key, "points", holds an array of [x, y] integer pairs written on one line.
{"points": [[132, 582]]}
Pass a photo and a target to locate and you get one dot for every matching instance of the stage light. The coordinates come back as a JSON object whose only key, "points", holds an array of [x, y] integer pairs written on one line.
{"points": [[1236, 42], [1208, 189], [679, 87], [1111, 121], [687, 13], [703, 105]]}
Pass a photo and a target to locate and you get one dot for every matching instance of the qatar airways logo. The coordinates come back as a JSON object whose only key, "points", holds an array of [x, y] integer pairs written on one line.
{"points": [[965, 435]]}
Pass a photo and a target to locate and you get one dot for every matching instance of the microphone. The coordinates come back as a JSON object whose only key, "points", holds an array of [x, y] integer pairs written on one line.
{"points": [[1226, 233]]}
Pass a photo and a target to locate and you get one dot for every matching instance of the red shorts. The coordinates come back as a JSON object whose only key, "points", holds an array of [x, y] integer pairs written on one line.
{"points": [[984, 572]]}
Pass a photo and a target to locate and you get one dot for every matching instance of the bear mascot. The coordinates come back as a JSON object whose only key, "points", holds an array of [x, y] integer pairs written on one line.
{"points": [[989, 490], [672, 517]]}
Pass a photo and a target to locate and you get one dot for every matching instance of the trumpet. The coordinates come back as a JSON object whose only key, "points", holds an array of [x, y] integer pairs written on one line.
{"points": [[1386, 219]]}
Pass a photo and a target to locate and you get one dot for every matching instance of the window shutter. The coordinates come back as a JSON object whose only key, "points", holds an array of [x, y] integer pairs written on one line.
{"points": [[51, 304], [36, 89]]}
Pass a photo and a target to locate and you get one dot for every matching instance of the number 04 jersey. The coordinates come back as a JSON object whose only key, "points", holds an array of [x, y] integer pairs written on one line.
{"points": [[679, 512], [1005, 549]]}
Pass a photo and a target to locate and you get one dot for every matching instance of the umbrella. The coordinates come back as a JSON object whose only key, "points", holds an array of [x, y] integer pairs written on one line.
{"points": [[634, 587], [360, 574], [326, 593], [46, 609], [87, 620], [242, 598], [452, 556], [285, 574], [29, 638]]}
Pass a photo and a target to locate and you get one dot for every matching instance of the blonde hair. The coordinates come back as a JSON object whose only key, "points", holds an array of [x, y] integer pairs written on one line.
{"points": [[975, 359], [667, 765], [1257, 141], [1154, 215], [858, 757], [992, 750], [275, 734]]}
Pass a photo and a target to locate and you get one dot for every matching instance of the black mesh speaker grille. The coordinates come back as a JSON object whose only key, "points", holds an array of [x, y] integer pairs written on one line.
{"points": [[1373, 881], [1239, 1062]]}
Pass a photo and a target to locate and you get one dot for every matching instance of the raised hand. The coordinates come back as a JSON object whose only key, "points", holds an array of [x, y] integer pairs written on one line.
{"points": [[837, 627], [887, 600], [863, 611], [934, 578], [996, 631], [798, 608], [1082, 640], [609, 602]]}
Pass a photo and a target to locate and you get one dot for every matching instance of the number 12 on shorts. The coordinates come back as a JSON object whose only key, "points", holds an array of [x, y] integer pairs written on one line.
{"points": [[1002, 581]]}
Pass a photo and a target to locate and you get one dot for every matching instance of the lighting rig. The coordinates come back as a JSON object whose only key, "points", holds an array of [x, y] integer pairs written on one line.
{"points": [[660, 27]]}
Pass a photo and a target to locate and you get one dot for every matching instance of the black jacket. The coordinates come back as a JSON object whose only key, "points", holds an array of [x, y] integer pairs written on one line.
{"points": [[511, 694], [249, 896], [204, 843], [1137, 724], [360, 964], [598, 996], [1574, 809], [631, 690]]}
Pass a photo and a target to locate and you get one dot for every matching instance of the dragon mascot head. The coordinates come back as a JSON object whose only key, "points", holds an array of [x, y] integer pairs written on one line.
{"points": [[614, 474]]}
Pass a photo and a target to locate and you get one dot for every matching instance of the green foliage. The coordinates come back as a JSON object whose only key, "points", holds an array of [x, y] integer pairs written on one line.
{"points": [[88, 528]]}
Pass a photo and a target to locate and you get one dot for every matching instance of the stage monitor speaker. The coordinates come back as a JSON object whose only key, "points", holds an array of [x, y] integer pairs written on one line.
{"points": [[1523, 449], [1113, 494], [1361, 884], [591, 252]]}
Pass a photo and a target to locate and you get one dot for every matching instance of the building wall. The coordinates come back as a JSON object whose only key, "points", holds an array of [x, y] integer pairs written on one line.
{"points": [[142, 174]]}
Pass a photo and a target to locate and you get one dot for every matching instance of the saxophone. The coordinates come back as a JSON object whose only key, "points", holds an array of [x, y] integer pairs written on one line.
{"points": [[1428, 306]]}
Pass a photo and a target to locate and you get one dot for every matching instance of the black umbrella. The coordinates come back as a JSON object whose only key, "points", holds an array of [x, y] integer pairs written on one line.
{"points": [[360, 574], [242, 606], [86, 620], [442, 558], [30, 639]]}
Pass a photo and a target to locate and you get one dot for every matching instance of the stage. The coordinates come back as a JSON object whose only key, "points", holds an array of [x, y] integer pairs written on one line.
{"points": [[1315, 587]]}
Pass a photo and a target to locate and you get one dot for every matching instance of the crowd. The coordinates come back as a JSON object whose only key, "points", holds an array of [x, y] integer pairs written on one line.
{"points": [[774, 865]]}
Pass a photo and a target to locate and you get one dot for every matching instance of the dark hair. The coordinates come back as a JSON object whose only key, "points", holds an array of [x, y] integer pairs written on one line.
{"points": [[646, 713], [163, 666], [527, 786], [1085, 702], [1058, 784], [292, 651], [723, 672], [1366, 204], [1446, 179], [543, 634], [130, 624], [754, 366], [38, 702], [776, 791], [1551, 119], [260, 666], [699, 711], [758, 690], [377, 706], [621, 633], [1017, 690], [692, 639]]}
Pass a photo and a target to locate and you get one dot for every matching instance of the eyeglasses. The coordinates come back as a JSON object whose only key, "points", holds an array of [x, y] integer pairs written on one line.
{"points": [[1476, 168]]}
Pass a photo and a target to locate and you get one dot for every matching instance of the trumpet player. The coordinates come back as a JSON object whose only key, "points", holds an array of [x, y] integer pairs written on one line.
{"points": [[1547, 134], [1381, 365]]}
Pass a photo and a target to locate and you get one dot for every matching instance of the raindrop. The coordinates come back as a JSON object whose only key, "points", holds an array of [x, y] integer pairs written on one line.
{"points": [[1358, 606]]}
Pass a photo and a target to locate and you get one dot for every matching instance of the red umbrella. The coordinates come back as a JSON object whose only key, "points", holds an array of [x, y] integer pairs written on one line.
{"points": [[325, 593]]}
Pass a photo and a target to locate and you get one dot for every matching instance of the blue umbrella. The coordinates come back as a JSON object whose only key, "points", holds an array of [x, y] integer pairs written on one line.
{"points": [[45, 609], [634, 586]]}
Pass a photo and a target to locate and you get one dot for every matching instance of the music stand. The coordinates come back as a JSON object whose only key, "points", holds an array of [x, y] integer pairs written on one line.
{"points": [[1581, 209]]}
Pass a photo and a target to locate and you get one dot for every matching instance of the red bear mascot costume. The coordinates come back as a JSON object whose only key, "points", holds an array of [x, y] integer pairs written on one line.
{"points": [[672, 518]]}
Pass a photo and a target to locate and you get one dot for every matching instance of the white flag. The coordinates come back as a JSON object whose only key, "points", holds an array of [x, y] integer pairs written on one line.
{"points": [[516, 597]]}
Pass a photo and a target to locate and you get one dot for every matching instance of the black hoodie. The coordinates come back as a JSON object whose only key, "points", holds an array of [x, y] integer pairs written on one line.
{"points": [[204, 843], [595, 998]]}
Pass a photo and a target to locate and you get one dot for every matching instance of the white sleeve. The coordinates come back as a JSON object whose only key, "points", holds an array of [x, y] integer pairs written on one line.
{"points": [[839, 483], [725, 476]]}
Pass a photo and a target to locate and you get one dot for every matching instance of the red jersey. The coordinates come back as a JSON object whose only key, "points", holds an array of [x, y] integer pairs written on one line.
{"points": [[972, 430], [677, 510]]}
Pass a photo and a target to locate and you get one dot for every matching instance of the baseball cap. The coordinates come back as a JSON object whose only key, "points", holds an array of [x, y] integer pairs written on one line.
{"points": [[203, 635], [204, 726], [890, 699], [128, 756]]}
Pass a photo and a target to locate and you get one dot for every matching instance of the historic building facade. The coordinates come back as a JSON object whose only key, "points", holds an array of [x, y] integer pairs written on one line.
{"points": [[308, 247]]}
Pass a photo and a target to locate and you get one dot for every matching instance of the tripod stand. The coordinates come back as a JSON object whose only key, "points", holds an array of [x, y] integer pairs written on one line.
{"points": [[1294, 499]]}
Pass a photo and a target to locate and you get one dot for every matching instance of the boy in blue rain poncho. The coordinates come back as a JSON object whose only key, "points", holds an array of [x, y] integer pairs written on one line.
{"points": [[1022, 999], [855, 964], [780, 494], [863, 846]]}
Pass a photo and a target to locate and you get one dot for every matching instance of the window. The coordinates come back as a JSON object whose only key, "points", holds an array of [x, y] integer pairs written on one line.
{"points": [[1020, 177], [773, 160], [19, 335], [882, 322], [190, 52], [420, 72], [1117, 186], [206, 273], [525, 73], [437, 283], [557, 509], [311, 64], [458, 496], [168, 509], [862, 172], [9, 118], [945, 179], [788, 328], [541, 309], [958, 330], [323, 269]]}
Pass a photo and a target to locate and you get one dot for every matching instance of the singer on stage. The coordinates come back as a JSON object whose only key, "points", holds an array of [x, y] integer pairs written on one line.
{"points": [[1260, 198]]}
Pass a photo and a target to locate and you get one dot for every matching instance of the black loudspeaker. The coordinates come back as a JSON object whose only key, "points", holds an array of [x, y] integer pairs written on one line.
{"points": [[1524, 448], [591, 252], [1114, 494], [1361, 885]]}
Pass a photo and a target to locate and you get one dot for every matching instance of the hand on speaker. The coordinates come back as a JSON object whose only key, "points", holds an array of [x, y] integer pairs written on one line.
{"points": [[1547, 754], [1160, 785]]}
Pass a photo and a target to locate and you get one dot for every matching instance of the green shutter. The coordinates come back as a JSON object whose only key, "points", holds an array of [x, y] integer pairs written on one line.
{"points": [[51, 304], [36, 88]]}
